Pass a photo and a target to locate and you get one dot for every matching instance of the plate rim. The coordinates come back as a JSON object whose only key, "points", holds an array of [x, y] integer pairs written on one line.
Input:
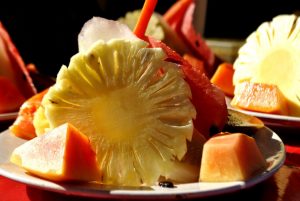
{"points": [[272, 120], [268, 116], [8, 116], [154, 191]]}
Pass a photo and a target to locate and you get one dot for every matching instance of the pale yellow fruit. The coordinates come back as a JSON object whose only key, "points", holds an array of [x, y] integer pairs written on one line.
{"points": [[271, 55], [40, 122], [134, 107]]}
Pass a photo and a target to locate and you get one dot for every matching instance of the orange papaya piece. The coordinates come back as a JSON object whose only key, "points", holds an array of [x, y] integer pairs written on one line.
{"points": [[231, 157], [259, 97], [56, 156], [23, 125], [223, 78]]}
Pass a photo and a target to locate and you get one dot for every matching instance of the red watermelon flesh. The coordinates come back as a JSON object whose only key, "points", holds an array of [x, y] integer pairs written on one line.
{"points": [[12, 65], [208, 100]]}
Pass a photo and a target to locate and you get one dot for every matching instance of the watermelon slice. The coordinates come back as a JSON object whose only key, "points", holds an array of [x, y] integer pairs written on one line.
{"points": [[180, 18], [208, 100], [12, 65]]}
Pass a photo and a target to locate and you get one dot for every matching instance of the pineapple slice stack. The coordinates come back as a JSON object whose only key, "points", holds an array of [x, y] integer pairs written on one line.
{"points": [[271, 55], [134, 107]]}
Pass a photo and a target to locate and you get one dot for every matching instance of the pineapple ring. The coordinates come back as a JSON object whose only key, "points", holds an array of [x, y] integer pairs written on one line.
{"points": [[271, 55], [134, 107]]}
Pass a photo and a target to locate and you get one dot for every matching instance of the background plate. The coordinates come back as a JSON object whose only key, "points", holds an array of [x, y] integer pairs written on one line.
{"points": [[8, 116], [271, 120]]}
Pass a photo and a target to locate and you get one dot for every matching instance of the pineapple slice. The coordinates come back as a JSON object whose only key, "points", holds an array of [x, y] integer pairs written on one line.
{"points": [[134, 107], [271, 56]]}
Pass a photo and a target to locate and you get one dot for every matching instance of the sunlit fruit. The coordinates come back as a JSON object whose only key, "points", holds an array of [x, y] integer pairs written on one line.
{"points": [[231, 157], [271, 56], [133, 106], [63, 154]]}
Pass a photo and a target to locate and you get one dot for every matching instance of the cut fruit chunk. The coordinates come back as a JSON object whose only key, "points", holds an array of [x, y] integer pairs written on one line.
{"points": [[134, 107], [223, 78], [231, 157], [55, 156], [23, 126], [258, 97], [10, 97], [195, 62], [271, 56]]}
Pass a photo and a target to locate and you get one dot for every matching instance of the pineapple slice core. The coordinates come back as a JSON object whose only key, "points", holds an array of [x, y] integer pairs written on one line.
{"points": [[283, 60], [119, 110], [134, 107]]}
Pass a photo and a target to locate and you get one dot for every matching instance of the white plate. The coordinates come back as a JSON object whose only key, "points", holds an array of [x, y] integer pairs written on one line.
{"points": [[274, 120], [269, 142], [271, 120], [8, 116]]}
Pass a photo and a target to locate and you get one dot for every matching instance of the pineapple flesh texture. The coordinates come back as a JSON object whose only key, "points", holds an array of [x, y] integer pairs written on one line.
{"points": [[271, 55], [134, 107]]}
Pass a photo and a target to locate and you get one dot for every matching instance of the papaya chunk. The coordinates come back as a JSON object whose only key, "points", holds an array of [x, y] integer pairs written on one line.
{"points": [[223, 78], [63, 154], [23, 125], [231, 157], [260, 97]]}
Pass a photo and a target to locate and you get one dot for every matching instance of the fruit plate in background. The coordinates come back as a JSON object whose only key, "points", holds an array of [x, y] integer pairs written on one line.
{"points": [[270, 120], [268, 141], [8, 116], [6, 119]]}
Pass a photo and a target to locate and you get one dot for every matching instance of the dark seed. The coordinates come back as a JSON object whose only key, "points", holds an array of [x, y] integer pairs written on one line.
{"points": [[197, 43], [166, 184]]}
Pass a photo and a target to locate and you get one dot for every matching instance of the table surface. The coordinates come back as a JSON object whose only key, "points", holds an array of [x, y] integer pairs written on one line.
{"points": [[283, 185]]}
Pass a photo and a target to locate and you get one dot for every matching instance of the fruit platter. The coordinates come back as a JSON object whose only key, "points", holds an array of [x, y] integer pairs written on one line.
{"points": [[273, 150], [135, 116]]}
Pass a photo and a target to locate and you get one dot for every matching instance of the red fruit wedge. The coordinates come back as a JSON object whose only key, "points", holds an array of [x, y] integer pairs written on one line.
{"points": [[180, 18], [197, 63], [208, 100], [12, 66], [195, 41], [176, 12], [10, 97], [63, 154], [23, 125]]}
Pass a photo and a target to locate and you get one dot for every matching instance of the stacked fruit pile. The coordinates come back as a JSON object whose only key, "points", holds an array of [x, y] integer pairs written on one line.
{"points": [[128, 110]]}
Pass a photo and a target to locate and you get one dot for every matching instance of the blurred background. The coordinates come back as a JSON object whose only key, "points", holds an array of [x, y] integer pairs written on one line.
{"points": [[45, 32]]}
